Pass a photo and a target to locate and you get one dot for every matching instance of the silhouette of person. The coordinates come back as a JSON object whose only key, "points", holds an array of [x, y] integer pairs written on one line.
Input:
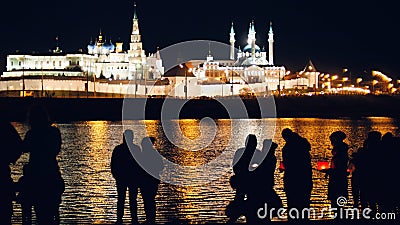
{"points": [[298, 171], [387, 191], [240, 180], [337, 186], [262, 181], [43, 142], [126, 172], [152, 164], [370, 171], [25, 195], [10, 152]]}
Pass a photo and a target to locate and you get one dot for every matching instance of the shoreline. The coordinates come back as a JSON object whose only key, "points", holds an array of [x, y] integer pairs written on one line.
{"points": [[86, 109]]}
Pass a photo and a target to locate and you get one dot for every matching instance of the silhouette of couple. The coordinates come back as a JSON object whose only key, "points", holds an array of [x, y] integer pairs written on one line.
{"points": [[41, 185], [254, 177], [253, 180], [373, 167], [135, 169]]}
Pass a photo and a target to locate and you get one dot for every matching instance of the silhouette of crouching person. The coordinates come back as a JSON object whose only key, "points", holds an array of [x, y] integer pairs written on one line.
{"points": [[152, 165], [125, 170]]}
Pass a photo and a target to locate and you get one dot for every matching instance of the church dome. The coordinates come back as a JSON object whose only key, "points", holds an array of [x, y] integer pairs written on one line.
{"points": [[247, 48], [109, 46], [91, 46]]}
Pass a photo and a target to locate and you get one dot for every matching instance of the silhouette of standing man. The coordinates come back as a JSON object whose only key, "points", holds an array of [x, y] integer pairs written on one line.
{"points": [[125, 170], [43, 142], [298, 171], [152, 163], [337, 186], [10, 152]]}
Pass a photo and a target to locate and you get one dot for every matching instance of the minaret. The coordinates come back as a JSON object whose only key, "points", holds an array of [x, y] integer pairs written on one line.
{"points": [[232, 41], [209, 56], [253, 42], [271, 45]]}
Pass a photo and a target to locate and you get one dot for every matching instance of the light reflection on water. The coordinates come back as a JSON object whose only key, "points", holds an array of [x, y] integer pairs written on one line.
{"points": [[90, 195]]}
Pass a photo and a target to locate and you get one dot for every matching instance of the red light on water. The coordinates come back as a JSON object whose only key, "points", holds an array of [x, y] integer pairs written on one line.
{"points": [[322, 165], [281, 166]]}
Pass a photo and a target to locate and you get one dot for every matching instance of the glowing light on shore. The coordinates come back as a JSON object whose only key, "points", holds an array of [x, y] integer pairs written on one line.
{"points": [[355, 90], [381, 76]]}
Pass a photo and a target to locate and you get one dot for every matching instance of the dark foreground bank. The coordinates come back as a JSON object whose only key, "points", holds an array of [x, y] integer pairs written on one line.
{"points": [[83, 109]]}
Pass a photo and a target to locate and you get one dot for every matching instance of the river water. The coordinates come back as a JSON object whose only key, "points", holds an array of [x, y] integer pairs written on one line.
{"points": [[192, 196]]}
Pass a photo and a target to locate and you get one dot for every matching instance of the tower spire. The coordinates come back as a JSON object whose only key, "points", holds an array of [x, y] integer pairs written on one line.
{"points": [[232, 41], [136, 53], [270, 45], [209, 56], [134, 10], [270, 28]]}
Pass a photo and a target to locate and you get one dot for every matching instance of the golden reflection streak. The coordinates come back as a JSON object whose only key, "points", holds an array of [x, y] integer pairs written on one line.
{"points": [[190, 128], [376, 124], [98, 161]]}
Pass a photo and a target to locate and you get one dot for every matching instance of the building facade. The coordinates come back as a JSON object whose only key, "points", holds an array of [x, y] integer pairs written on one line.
{"points": [[102, 60]]}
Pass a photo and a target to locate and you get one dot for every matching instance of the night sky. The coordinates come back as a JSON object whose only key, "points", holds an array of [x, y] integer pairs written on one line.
{"points": [[360, 35]]}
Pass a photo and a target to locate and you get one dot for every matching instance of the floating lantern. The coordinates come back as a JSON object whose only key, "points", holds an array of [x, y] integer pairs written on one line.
{"points": [[322, 165], [281, 166]]}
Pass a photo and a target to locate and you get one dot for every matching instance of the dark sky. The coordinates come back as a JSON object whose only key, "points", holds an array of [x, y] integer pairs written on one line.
{"points": [[360, 35]]}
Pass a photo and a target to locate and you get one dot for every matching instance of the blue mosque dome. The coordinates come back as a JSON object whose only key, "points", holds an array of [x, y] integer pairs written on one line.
{"points": [[247, 48]]}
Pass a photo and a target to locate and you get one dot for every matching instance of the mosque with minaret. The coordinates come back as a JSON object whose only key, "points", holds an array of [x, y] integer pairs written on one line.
{"points": [[250, 68], [107, 68]]}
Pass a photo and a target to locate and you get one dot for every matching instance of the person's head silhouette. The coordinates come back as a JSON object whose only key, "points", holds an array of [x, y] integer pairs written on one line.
{"points": [[148, 143], [374, 136], [128, 137], [251, 141], [287, 134], [38, 117], [387, 137], [337, 137]]}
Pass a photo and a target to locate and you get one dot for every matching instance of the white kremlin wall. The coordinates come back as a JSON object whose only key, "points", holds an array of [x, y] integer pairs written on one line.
{"points": [[176, 89]]}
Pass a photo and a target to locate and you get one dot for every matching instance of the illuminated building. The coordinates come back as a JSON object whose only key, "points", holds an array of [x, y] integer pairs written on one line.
{"points": [[103, 60]]}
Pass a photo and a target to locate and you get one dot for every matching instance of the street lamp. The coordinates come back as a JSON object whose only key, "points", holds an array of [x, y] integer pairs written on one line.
{"points": [[389, 87], [42, 78], [333, 78], [185, 87], [374, 82], [22, 61], [344, 80], [232, 80], [358, 81]]}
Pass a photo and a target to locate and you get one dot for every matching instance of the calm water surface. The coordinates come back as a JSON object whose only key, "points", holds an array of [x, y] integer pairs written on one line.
{"points": [[90, 195]]}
